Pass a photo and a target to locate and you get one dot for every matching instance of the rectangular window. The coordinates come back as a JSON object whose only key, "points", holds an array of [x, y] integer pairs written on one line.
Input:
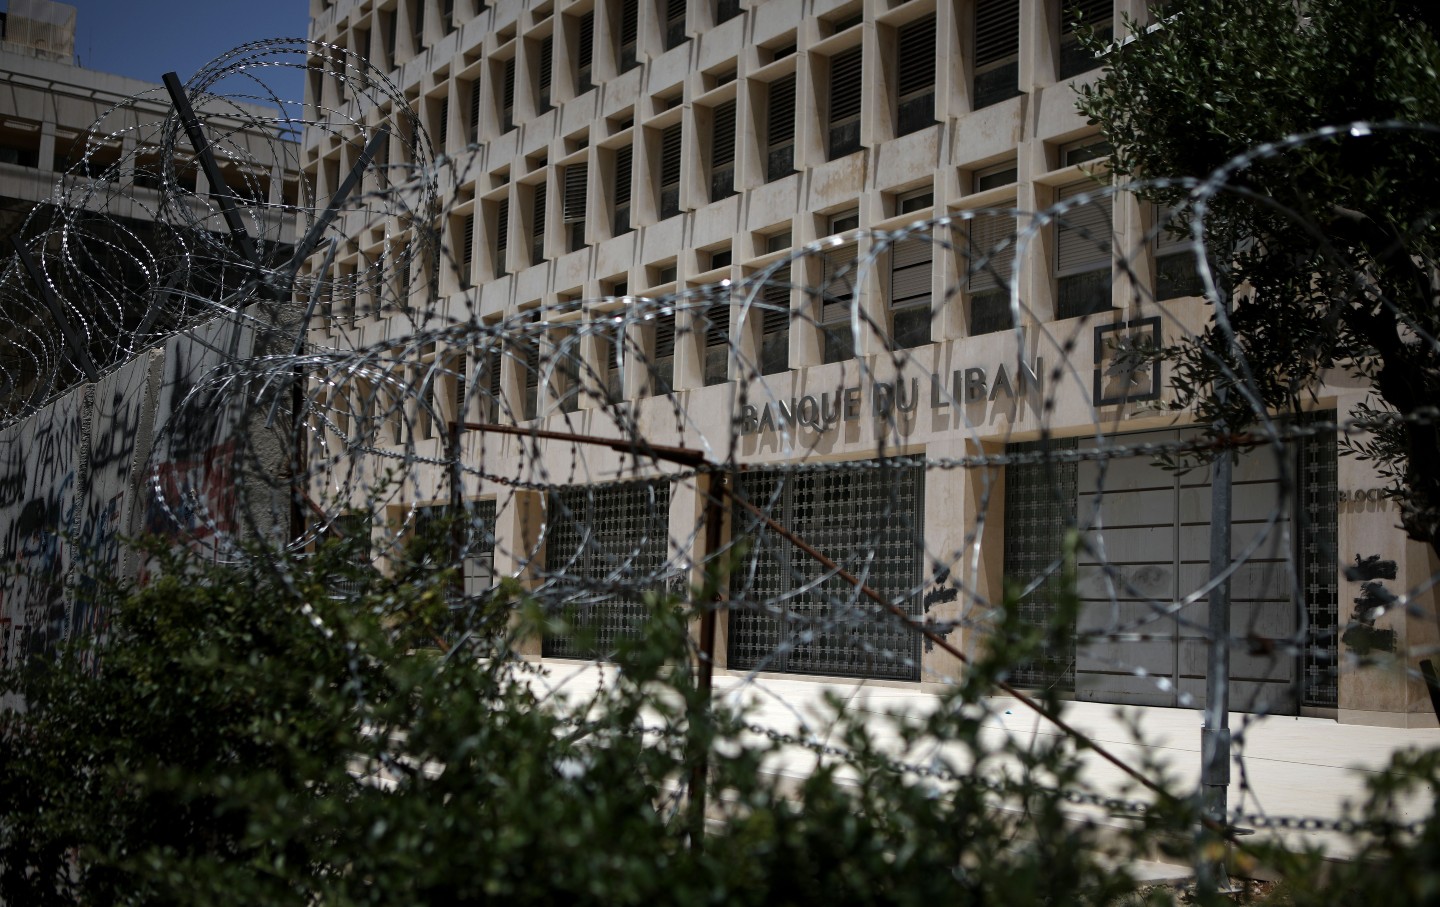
{"points": [[629, 28], [663, 370], [674, 23], [780, 140], [390, 28], [475, 90], [417, 35], [722, 152], [1094, 15], [997, 52], [837, 292], [1082, 253], [910, 267], [775, 326], [845, 90], [435, 537], [915, 77], [542, 81], [565, 370], [529, 343], [447, 15], [467, 254], [494, 407], [1176, 268], [584, 53], [442, 115], [716, 323], [620, 224], [537, 224], [507, 96], [574, 213], [614, 383], [725, 10], [502, 234], [670, 171], [988, 267]]}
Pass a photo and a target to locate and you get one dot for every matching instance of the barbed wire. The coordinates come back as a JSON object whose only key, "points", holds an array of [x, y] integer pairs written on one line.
{"points": [[345, 379]]}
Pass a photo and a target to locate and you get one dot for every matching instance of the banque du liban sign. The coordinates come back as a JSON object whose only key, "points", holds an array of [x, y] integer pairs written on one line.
{"points": [[962, 387]]}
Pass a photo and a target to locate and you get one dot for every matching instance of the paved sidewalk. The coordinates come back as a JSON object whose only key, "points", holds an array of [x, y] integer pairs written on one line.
{"points": [[1285, 766]]}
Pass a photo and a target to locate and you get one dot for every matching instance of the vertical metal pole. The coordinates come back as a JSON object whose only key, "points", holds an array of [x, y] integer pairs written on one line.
{"points": [[1215, 734], [700, 768]]}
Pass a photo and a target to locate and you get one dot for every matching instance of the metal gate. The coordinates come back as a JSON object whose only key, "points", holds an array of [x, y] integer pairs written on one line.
{"points": [[1146, 531], [606, 546], [788, 615]]}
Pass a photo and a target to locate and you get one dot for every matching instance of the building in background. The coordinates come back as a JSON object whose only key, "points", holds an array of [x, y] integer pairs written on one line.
{"points": [[600, 149]]}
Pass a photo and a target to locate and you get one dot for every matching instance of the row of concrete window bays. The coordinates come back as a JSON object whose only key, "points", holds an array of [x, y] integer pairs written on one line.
{"points": [[992, 48], [1071, 267]]}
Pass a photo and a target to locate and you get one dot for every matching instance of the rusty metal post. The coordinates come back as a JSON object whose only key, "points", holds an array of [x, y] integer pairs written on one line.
{"points": [[714, 527]]}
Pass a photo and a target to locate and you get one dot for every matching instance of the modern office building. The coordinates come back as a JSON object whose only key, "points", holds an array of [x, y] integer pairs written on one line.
{"points": [[602, 150]]}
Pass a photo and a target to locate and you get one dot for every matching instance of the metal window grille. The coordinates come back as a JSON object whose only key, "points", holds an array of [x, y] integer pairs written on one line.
{"points": [[775, 327], [722, 152], [443, 117], [670, 171], [785, 617], [614, 383], [915, 76], [1318, 481], [1082, 253], [574, 213], [1040, 501], [780, 151], [997, 51], [612, 545], [845, 90], [623, 159]]}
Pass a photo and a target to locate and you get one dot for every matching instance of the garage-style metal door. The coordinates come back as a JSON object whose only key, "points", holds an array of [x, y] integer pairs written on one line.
{"points": [[1147, 549], [786, 615]]}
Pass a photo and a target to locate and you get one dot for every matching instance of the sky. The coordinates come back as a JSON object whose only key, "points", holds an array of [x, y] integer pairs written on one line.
{"points": [[146, 38]]}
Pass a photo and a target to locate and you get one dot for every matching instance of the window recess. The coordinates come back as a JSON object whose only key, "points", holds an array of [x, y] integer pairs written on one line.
{"points": [[988, 266], [915, 78], [780, 132], [845, 91], [996, 58], [1082, 252]]}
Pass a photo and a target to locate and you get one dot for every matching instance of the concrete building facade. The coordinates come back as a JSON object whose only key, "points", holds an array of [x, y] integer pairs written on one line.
{"points": [[606, 149]]}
